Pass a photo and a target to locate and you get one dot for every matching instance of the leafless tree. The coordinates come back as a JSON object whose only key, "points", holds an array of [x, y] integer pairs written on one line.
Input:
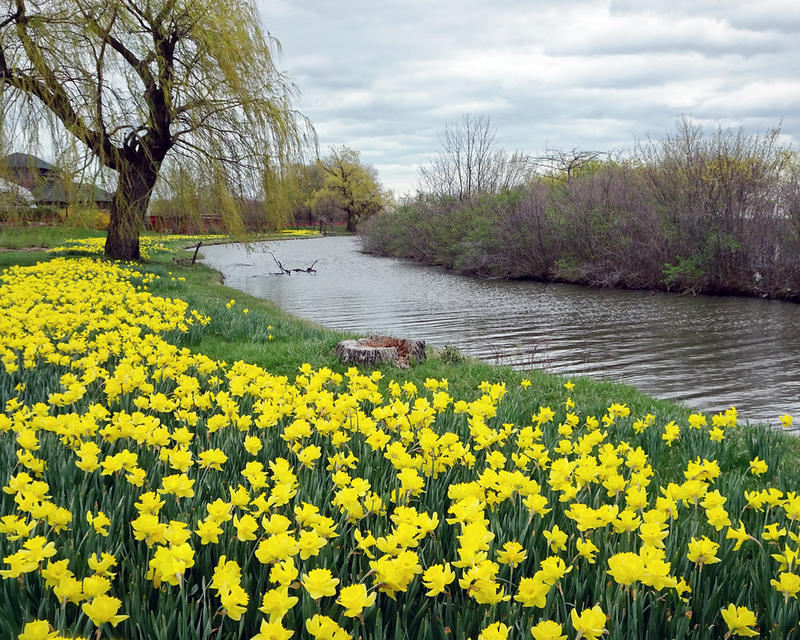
{"points": [[469, 162], [568, 161]]}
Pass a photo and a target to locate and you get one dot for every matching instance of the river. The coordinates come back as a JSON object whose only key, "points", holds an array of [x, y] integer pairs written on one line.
{"points": [[707, 352]]}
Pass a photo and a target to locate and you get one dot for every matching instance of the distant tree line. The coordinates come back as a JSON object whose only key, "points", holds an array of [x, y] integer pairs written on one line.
{"points": [[691, 212], [336, 189]]}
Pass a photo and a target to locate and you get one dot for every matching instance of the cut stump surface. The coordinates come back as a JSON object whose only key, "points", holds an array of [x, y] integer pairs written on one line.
{"points": [[377, 349]]}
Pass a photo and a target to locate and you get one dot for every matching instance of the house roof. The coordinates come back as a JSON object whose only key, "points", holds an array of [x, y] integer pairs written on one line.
{"points": [[54, 190], [101, 195], [59, 192], [26, 161]]}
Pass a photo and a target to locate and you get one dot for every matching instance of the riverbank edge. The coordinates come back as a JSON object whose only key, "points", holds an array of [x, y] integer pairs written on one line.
{"points": [[41, 238], [552, 278], [242, 326]]}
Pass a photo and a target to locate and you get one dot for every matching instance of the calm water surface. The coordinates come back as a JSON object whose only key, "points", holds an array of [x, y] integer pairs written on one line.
{"points": [[706, 352]]}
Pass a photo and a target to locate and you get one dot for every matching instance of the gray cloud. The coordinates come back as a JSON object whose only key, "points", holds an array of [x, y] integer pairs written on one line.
{"points": [[386, 77]]}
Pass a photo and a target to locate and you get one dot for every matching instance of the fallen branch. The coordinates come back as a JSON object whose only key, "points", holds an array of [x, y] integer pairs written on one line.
{"points": [[288, 272], [280, 266], [310, 269]]}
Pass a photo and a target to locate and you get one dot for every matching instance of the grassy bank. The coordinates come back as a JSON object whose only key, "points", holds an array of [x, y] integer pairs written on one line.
{"points": [[283, 493], [237, 335], [43, 236], [244, 336], [20, 237]]}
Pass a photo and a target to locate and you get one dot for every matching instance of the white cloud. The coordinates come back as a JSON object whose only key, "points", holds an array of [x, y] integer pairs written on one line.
{"points": [[386, 77]]}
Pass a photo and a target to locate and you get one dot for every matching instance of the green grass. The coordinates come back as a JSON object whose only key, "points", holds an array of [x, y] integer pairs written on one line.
{"points": [[22, 257], [15, 237], [245, 336], [42, 236]]}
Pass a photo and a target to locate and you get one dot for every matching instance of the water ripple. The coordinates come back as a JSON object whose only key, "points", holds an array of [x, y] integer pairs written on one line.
{"points": [[707, 352]]}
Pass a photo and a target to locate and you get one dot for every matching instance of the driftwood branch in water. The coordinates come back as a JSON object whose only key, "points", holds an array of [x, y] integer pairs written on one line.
{"points": [[280, 266], [310, 269], [288, 272]]}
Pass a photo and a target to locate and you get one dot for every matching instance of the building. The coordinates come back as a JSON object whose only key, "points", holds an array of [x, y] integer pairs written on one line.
{"points": [[14, 195], [62, 193], [48, 185]]}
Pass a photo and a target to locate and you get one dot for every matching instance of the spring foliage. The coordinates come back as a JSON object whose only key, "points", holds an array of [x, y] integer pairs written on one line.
{"points": [[152, 492], [137, 83], [716, 213]]}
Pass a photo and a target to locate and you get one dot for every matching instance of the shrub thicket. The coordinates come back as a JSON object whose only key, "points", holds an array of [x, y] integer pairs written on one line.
{"points": [[716, 214]]}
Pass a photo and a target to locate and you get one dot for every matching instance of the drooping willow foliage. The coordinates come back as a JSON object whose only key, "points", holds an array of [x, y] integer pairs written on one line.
{"points": [[141, 84]]}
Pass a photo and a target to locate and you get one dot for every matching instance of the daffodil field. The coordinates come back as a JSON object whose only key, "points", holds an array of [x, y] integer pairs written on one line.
{"points": [[151, 492], [150, 245]]}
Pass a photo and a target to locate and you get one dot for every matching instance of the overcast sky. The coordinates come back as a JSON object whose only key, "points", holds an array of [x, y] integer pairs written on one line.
{"points": [[385, 77]]}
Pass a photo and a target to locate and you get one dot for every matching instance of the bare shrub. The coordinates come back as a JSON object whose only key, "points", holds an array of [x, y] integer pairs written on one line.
{"points": [[469, 163], [608, 233], [718, 199], [515, 238], [690, 213]]}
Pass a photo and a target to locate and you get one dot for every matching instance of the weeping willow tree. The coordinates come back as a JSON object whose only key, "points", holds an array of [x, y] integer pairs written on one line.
{"points": [[138, 81]]}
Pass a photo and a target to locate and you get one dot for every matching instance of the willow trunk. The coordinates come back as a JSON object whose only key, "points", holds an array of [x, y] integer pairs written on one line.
{"points": [[128, 208]]}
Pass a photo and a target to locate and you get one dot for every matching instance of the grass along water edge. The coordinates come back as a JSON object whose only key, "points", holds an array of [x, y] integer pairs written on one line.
{"points": [[581, 445]]}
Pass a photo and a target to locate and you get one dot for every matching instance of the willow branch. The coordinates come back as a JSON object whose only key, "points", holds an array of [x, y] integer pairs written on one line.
{"points": [[50, 91]]}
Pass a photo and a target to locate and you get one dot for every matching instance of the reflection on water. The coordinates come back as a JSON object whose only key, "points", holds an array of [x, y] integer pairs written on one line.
{"points": [[707, 352]]}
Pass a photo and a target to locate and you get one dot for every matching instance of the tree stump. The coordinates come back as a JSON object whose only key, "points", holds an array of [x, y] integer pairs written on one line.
{"points": [[377, 349]]}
